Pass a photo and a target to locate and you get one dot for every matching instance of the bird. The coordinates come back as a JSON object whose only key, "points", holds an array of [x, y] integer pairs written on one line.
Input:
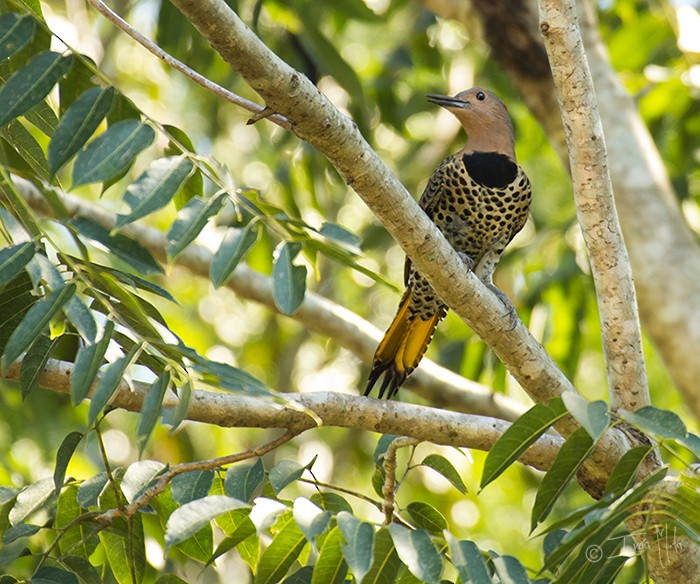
{"points": [[479, 198]]}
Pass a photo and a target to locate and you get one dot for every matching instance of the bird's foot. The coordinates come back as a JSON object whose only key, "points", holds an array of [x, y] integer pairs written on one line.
{"points": [[467, 261], [512, 313]]}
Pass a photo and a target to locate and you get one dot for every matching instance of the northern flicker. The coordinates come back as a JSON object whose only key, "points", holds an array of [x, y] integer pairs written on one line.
{"points": [[479, 198]]}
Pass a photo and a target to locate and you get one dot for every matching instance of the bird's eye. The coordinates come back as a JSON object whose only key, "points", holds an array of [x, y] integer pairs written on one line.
{"points": [[481, 96]]}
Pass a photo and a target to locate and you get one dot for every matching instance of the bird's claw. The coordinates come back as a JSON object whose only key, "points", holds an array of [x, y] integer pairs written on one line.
{"points": [[467, 261], [512, 313]]}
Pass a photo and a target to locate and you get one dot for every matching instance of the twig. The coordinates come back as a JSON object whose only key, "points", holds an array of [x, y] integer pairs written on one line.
{"points": [[595, 206], [132, 508], [389, 486], [150, 46]]}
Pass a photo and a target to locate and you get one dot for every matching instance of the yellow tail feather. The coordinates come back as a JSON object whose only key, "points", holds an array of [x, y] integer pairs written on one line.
{"points": [[402, 348]]}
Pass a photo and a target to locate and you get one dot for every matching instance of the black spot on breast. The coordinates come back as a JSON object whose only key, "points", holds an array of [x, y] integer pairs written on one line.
{"points": [[490, 169]]}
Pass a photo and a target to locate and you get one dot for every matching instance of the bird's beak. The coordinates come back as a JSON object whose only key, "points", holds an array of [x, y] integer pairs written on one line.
{"points": [[446, 101]]}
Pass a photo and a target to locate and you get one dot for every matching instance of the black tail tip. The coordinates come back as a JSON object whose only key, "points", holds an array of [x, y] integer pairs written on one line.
{"points": [[393, 379]]}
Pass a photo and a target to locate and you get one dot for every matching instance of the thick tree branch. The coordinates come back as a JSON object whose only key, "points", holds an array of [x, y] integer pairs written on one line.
{"points": [[440, 386], [664, 253], [597, 215], [316, 121], [333, 409]]}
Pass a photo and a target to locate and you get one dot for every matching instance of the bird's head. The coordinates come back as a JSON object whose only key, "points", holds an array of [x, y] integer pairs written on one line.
{"points": [[484, 118]]}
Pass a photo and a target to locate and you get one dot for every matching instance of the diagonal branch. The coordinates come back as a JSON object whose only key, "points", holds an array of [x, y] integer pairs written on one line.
{"points": [[332, 408], [318, 122], [595, 206], [440, 386]]}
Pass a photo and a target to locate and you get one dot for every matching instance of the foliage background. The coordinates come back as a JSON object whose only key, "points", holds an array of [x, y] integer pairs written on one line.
{"points": [[376, 60]]}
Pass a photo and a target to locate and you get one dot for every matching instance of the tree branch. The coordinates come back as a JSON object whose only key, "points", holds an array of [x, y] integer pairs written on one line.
{"points": [[440, 386], [595, 206], [316, 121], [664, 253], [171, 61], [333, 409]]}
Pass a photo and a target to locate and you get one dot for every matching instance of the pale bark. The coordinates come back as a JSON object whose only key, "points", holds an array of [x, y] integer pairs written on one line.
{"points": [[332, 408], [436, 384], [663, 251], [316, 121], [595, 206]]}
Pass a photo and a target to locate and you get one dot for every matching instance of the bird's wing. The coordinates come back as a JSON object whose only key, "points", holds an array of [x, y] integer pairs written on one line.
{"points": [[431, 195]]}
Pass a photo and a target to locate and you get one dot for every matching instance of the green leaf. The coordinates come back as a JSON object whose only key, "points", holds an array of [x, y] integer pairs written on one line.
{"points": [[53, 575], [440, 464], [78, 124], [332, 502], [593, 416], [111, 152], [152, 406], [109, 383], [426, 517], [312, 520], [81, 318], [301, 576], [31, 84], [225, 376], [622, 477], [522, 433], [125, 248], [417, 552], [284, 473], [139, 477], [191, 517], [382, 446], [662, 423], [123, 543], [15, 33], [190, 486], [467, 558], [510, 570], [34, 362], [199, 545], [35, 7], [234, 247], [242, 481], [155, 187], [34, 322], [278, 557], [190, 221], [359, 542], [288, 280], [65, 453], [31, 499], [13, 259], [87, 364], [330, 566], [238, 527], [82, 568], [339, 234], [90, 490], [170, 579], [27, 147], [386, 564], [175, 416], [19, 531], [80, 539], [573, 453], [194, 185]]}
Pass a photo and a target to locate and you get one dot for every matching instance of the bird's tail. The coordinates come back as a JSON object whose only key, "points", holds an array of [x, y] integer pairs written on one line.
{"points": [[402, 348]]}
